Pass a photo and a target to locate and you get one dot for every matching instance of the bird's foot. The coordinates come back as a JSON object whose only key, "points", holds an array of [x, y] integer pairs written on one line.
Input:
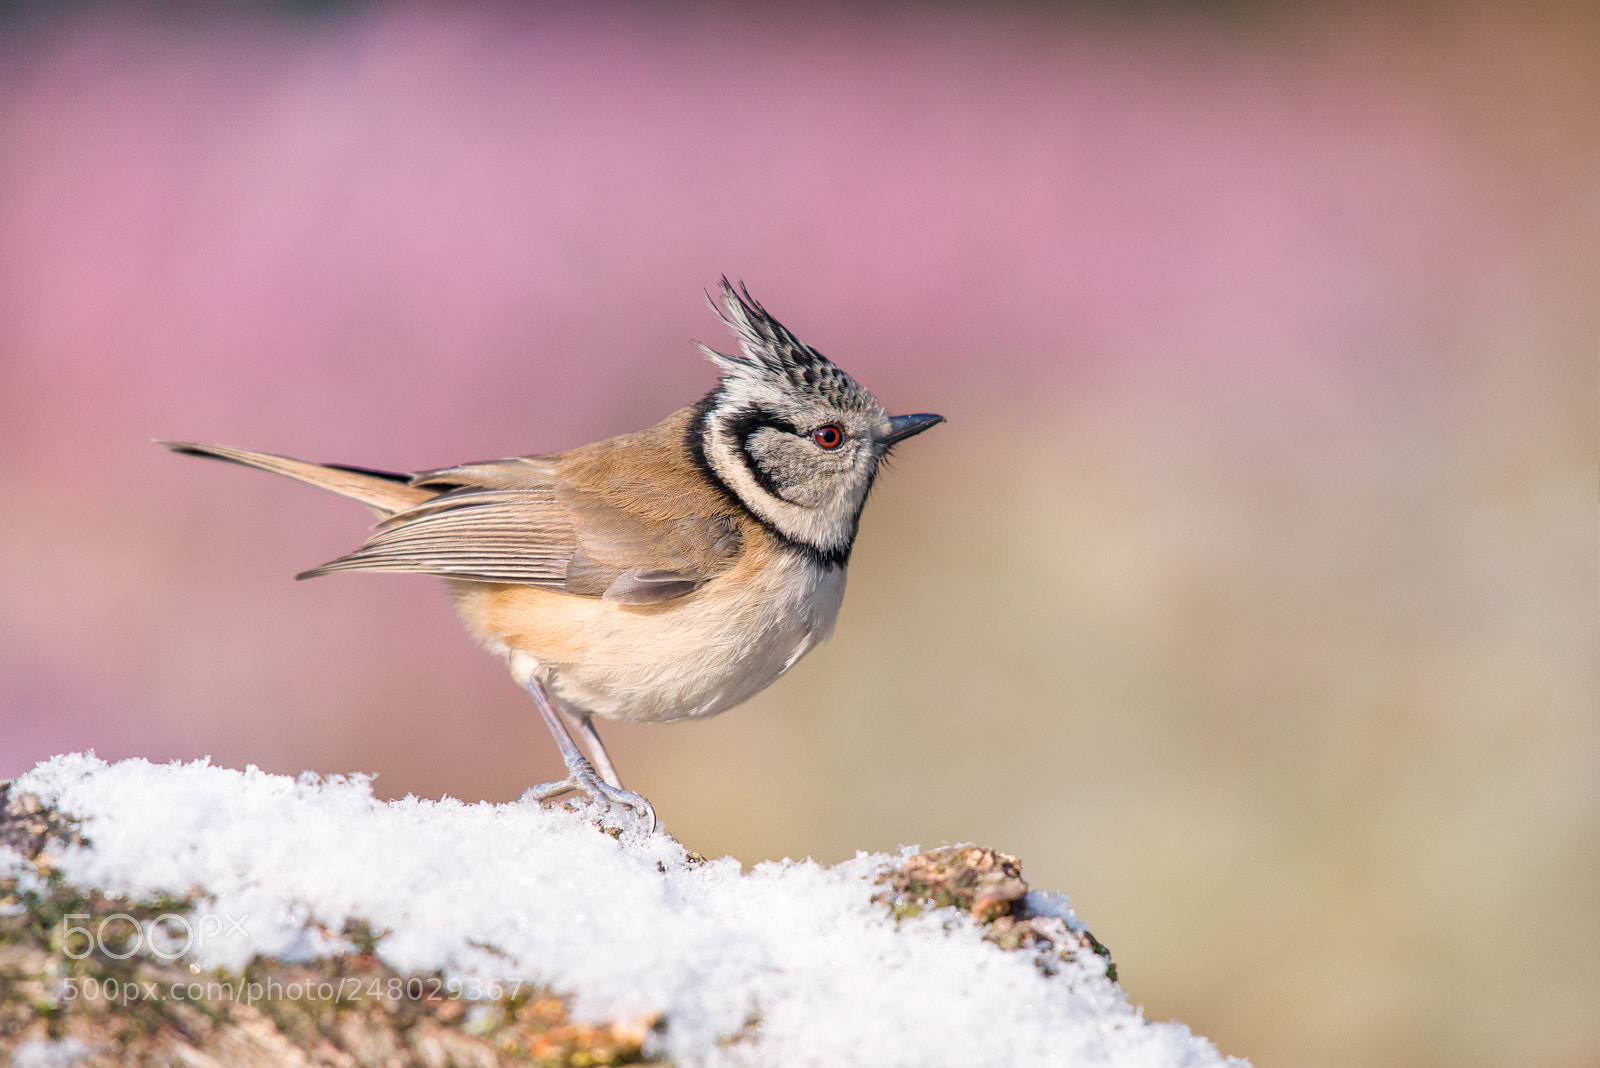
{"points": [[581, 779]]}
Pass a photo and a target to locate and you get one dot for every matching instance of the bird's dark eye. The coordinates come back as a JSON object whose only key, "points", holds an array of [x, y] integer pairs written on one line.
{"points": [[829, 437]]}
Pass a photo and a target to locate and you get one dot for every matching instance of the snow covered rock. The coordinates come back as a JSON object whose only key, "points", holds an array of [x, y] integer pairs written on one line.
{"points": [[190, 914]]}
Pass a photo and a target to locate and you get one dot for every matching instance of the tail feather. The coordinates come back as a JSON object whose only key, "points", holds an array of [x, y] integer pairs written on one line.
{"points": [[383, 491]]}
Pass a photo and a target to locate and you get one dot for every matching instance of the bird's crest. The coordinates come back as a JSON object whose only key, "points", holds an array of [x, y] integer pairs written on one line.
{"points": [[768, 351]]}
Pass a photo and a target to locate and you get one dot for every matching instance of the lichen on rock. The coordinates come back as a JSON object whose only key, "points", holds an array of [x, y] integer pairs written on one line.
{"points": [[988, 886]]}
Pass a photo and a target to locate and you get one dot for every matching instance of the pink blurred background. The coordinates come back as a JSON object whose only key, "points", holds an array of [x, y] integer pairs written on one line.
{"points": [[1248, 595]]}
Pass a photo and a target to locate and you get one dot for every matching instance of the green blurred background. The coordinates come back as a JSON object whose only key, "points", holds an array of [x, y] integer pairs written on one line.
{"points": [[1249, 594]]}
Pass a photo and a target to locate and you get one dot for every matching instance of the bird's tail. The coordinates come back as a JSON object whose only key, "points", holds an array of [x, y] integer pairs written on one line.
{"points": [[384, 492]]}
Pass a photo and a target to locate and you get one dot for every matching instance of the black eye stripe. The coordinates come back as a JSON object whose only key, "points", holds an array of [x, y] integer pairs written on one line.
{"points": [[746, 421]]}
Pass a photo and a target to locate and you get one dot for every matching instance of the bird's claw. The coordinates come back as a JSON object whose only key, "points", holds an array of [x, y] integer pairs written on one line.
{"points": [[583, 780]]}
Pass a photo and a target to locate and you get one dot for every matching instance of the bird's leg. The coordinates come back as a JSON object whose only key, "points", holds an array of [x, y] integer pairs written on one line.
{"points": [[581, 777], [584, 725]]}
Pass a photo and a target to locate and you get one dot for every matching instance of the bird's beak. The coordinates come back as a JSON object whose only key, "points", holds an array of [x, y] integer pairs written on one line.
{"points": [[904, 426]]}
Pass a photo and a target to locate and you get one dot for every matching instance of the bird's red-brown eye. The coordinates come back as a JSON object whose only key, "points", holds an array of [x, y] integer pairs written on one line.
{"points": [[829, 437]]}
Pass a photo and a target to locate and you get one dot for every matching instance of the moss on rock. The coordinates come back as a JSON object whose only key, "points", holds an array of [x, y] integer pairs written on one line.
{"points": [[988, 886]]}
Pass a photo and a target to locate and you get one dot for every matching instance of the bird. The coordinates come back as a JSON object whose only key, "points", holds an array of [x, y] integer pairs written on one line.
{"points": [[664, 575]]}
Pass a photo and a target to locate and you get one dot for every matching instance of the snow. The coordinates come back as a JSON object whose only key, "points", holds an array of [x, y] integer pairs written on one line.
{"points": [[629, 927], [62, 1054]]}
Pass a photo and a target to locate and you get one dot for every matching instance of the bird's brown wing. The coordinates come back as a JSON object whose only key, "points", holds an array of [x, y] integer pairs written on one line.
{"points": [[492, 535], [545, 521]]}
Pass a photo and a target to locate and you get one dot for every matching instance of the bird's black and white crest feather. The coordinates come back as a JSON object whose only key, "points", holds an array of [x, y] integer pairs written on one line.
{"points": [[754, 432], [769, 351]]}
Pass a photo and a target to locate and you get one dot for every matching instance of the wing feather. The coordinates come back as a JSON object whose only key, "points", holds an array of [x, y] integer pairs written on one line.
{"points": [[552, 535], [520, 536]]}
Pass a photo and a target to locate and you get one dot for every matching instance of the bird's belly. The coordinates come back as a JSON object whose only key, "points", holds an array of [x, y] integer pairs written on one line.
{"points": [[682, 659]]}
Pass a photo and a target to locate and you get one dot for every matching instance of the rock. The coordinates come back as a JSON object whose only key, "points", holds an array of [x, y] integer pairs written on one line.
{"points": [[436, 933]]}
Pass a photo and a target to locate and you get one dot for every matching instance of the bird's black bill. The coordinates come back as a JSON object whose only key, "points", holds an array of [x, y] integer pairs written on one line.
{"points": [[904, 426]]}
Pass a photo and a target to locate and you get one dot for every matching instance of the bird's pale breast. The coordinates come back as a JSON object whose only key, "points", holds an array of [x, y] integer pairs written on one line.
{"points": [[687, 658]]}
